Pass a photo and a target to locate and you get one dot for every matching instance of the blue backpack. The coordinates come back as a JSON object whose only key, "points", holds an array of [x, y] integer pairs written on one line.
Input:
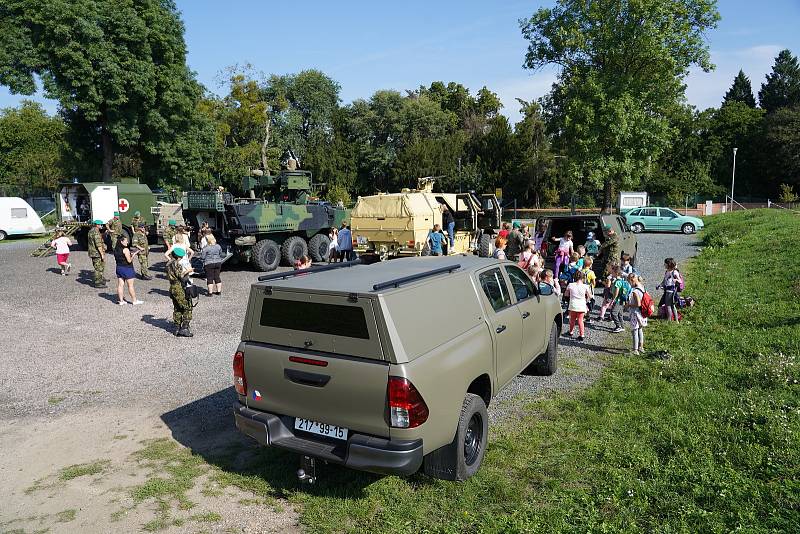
{"points": [[624, 290]]}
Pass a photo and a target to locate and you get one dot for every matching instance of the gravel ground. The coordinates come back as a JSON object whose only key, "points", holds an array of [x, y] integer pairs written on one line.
{"points": [[580, 363], [68, 346]]}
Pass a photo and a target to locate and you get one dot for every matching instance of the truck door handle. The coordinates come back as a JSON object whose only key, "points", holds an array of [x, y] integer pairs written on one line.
{"points": [[500, 328], [526, 315], [305, 378]]}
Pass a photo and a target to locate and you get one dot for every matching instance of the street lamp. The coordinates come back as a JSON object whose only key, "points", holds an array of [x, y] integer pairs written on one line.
{"points": [[733, 177]]}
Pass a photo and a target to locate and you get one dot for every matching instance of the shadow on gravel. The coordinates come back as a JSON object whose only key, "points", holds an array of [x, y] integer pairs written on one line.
{"points": [[111, 297], [156, 291], [206, 427], [54, 270], [163, 324], [85, 277]]}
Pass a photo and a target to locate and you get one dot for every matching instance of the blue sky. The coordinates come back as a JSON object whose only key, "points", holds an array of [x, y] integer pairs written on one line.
{"points": [[367, 46]]}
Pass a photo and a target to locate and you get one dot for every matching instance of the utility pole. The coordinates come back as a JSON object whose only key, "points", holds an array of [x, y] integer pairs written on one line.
{"points": [[733, 177]]}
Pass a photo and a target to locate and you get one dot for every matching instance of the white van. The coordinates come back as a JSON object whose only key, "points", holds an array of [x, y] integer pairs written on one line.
{"points": [[17, 217]]}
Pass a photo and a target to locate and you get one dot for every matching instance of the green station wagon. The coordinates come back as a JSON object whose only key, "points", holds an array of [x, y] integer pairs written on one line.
{"points": [[661, 220]]}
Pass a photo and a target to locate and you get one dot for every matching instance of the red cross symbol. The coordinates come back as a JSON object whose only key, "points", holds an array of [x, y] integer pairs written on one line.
{"points": [[123, 205]]}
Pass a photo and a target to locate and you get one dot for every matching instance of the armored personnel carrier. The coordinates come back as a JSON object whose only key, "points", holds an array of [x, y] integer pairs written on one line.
{"points": [[278, 221], [396, 225]]}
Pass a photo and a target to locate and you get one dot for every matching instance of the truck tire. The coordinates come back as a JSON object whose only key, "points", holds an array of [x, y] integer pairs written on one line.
{"points": [[547, 364], [266, 255], [462, 458], [318, 247], [485, 246], [294, 248]]}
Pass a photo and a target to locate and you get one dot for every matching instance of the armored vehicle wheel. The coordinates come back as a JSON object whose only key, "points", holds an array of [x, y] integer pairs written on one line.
{"points": [[293, 249], [463, 456], [318, 247], [266, 255], [485, 246]]}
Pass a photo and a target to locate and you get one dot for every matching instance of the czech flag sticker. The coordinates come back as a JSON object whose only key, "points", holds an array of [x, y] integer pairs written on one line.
{"points": [[256, 395]]}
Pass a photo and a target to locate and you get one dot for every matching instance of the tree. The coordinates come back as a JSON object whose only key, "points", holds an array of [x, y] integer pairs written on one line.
{"points": [[622, 66], [782, 88], [533, 163], [32, 150], [740, 91], [118, 69], [780, 146], [736, 125]]}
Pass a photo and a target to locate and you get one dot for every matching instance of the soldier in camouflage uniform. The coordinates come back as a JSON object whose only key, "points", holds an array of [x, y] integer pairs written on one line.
{"points": [[137, 219], [97, 252], [140, 242], [169, 234], [115, 227], [181, 307], [610, 249]]}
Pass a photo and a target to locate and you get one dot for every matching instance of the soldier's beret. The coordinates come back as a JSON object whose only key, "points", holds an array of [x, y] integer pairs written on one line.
{"points": [[98, 221]]}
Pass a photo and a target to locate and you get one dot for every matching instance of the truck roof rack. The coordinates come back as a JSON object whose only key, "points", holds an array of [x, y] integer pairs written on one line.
{"points": [[397, 282], [313, 270]]}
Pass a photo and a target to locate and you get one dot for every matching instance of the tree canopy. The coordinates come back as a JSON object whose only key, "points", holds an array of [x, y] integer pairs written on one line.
{"points": [[782, 87], [622, 65], [118, 70], [740, 91]]}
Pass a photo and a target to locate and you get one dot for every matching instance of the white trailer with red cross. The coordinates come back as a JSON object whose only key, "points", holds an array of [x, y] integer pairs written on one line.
{"points": [[82, 203]]}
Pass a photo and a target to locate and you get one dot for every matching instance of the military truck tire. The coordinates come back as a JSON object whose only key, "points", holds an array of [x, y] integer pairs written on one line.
{"points": [[485, 246], [294, 248], [547, 363], [318, 247], [463, 456], [266, 255]]}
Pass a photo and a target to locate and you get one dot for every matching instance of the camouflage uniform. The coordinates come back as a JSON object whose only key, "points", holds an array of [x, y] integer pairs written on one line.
{"points": [[136, 221], [169, 235], [97, 251], [140, 241], [610, 251], [181, 307], [115, 226]]}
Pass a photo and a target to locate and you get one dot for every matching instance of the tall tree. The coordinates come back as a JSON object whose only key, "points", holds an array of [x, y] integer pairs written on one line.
{"points": [[740, 91], [118, 69], [782, 88], [622, 65], [32, 150]]}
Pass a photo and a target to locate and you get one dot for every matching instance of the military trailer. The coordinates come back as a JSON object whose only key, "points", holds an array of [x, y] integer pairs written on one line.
{"points": [[279, 221], [80, 203], [396, 225]]}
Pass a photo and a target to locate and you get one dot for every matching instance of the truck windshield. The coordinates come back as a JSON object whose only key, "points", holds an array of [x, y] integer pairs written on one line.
{"points": [[317, 317]]}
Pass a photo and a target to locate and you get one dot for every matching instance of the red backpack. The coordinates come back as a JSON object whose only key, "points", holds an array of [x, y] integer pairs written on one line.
{"points": [[647, 306]]}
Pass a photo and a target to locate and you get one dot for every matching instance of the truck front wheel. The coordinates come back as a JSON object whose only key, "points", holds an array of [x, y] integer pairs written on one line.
{"points": [[463, 456], [319, 247], [266, 255], [485, 246], [294, 248]]}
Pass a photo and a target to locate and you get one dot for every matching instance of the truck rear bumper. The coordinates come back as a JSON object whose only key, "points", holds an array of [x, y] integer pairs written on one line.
{"points": [[360, 451]]}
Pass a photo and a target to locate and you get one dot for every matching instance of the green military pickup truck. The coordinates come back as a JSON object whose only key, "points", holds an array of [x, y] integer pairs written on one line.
{"points": [[389, 367]]}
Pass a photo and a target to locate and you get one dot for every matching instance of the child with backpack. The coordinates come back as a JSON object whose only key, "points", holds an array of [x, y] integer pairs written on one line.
{"points": [[671, 284], [620, 292], [626, 267], [592, 245], [581, 255], [608, 283], [568, 276], [563, 252], [591, 280], [640, 306], [578, 294]]}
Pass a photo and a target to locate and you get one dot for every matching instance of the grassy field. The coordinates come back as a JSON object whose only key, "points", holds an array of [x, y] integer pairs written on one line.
{"points": [[707, 440]]}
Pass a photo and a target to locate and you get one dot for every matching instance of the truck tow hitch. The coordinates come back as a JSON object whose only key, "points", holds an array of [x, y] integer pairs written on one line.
{"points": [[308, 470]]}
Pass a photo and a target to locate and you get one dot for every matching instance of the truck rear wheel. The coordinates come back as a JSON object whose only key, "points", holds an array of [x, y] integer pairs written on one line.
{"points": [[318, 247], [463, 456], [266, 255], [485, 246], [293, 249]]}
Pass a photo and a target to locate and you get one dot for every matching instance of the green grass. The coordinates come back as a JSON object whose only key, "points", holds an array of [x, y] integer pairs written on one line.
{"points": [[706, 441], [65, 516], [53, 401], [80, 470]]}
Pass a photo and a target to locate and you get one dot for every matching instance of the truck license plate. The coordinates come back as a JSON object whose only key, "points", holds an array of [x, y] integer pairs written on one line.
{"points": [[322, 429]]}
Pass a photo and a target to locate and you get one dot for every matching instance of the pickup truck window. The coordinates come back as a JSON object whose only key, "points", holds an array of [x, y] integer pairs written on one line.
{"points": [[521, 282], [317, 317], [495, 288]]}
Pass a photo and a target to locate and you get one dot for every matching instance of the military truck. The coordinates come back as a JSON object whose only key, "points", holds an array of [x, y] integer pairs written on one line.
{"points": [[279, 221], [80, 203], [397, 224], [389, 367]]}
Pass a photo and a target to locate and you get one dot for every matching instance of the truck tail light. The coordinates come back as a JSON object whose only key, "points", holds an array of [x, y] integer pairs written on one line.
{"points": [[411, 243], [407, 409], [239, 380]]}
